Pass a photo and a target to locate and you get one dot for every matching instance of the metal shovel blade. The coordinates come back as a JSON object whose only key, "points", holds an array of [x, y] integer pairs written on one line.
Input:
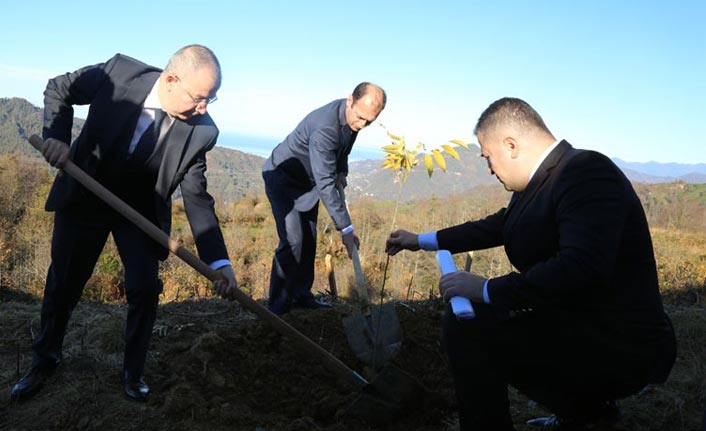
{"points": [[388, 397], [374, 338], [373, 333]]}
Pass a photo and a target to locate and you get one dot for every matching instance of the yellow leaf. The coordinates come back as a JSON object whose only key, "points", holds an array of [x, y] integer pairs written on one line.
{"points": [[394, 137], [439, 159], [459, 143], [409, 161], [397, 163], [392, 149], [449, 149], [429, 164]]}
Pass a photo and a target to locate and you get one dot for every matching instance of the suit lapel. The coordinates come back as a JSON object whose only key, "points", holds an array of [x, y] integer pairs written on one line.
{"points": [[346, 136], [346, 140], [175, 142], [132, 99], [175, 152], [520, 201]]}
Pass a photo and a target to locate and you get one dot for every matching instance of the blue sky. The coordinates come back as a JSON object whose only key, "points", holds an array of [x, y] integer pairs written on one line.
{"points": [[627, 78]]}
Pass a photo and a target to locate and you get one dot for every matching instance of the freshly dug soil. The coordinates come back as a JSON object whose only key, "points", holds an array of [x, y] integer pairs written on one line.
{"points": [[213, 366]]}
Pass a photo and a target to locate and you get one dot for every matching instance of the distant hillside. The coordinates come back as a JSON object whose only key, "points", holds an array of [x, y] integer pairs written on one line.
{"points": [[233, 174], [367, 178], [640, 177], [18, 117], [674, 204], [654, 172]]}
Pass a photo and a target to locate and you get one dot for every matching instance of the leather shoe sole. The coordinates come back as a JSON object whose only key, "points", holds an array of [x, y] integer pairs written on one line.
{"points": [[136, 390], [545, 424], [311, 304], [610, 415], [30, 383]]}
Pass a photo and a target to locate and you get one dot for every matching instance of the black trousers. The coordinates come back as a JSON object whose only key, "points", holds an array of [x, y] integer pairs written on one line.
{"points": [[78, 239], [292, 274], [557, 362]]}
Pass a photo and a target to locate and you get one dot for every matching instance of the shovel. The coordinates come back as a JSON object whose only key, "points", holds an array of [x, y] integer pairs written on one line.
{"points": [[381, 401], [373, 332]]}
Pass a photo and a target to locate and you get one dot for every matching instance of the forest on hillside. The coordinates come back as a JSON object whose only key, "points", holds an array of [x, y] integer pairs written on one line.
{"points": [[676, 212]]}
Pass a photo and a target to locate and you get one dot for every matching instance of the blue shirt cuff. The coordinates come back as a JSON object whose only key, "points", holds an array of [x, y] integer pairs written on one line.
{"points": [[219, 264], [427, 241], [486, 297], [346, 230]]}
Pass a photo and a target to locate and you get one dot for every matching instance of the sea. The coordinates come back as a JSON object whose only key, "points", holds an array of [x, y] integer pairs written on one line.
{"points": [[262, 146]]}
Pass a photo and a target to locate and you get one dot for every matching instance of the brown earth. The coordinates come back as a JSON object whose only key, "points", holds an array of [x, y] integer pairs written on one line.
{"points": [[213, 366]]}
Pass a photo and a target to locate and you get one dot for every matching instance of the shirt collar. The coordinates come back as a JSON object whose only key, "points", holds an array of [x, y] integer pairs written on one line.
{"points": [[342, 113], [152, 101], [542, 157]]}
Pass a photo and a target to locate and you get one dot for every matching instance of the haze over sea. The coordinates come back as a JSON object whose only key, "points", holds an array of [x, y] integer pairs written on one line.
{"points": [[262, 146]]}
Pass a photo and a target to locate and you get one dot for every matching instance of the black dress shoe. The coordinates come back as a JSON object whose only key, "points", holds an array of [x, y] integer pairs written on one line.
{"points": [[30, 384], [310, 303], [135, 389], [547, 423], [607, 415]]}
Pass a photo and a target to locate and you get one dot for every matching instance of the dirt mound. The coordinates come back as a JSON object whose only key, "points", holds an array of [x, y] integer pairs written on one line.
{"points": [[213, 366], [235, 370]]}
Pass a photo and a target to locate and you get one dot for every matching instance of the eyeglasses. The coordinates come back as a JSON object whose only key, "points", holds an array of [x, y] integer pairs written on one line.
{"points": [[197, 101]]}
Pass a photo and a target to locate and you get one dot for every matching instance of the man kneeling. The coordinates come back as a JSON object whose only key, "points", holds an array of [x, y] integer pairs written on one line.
{"points": [[581, 323]]}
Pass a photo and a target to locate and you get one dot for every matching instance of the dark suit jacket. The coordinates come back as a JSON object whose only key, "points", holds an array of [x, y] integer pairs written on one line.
{"points": [[579, 238], [116, 91], [309, 159]]}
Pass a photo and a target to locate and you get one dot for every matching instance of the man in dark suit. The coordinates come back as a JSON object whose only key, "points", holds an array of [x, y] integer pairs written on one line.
{"points": [[146, 133], [580, 324], [310, 164]]}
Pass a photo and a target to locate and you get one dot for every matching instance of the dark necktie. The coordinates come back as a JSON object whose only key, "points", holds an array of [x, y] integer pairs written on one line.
{"points": [[145, 146]]}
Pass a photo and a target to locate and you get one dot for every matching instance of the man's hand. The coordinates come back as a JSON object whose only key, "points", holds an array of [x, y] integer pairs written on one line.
{"points": [[401, 240], [55, 152], [226, 286], [462, 283], [351, 240], [341, 180]]}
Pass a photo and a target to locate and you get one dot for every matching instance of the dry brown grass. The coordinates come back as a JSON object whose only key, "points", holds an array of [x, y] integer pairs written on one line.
{"points": [[251, 239]]}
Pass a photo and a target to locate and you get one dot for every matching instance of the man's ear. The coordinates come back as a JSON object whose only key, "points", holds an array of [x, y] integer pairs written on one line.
{"points": [[170, 78], [510, 144]]}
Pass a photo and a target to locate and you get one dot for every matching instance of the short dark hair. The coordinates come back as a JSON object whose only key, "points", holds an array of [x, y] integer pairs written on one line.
{"points": [[362, 89], [509, 110], [195, 57]]}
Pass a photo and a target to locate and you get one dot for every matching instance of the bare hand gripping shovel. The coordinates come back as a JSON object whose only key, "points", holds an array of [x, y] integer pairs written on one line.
{"points": [[373, 332], [381, 401]]}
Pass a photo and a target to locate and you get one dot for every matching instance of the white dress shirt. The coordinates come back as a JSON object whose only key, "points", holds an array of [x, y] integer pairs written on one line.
{"points": [[149, 110]]}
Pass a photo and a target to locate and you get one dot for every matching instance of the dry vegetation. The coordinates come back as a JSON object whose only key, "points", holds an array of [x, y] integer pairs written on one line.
{"points": [[25, 231]]}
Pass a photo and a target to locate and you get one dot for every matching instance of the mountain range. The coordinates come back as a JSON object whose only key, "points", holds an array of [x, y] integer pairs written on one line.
{"points": [[655, 172], [233, 174]]}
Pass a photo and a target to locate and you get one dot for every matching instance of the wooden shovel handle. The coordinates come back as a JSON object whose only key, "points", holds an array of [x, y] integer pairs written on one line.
{"points": [[361, 285], [360, 279], [306, 344]]}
